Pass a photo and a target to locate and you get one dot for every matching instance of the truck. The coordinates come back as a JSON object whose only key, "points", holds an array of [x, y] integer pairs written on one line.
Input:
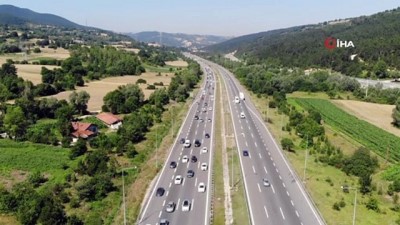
{"points": [[241, 95]]}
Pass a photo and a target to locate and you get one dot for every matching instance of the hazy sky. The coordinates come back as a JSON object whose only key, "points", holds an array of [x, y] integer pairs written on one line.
{"points": [[219, 17]]}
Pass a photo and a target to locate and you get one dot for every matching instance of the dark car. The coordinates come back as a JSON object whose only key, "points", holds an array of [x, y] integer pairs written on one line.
{"points": [[207, 135], [197, 143], [194, 159], [164, 222], [172, 165], [160, 192], [182, 141], [190, 173], [196, 117], [245, 153]]}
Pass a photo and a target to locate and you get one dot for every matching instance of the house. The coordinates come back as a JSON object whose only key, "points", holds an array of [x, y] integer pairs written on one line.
{"points": [[83, 130], [111, 120]]}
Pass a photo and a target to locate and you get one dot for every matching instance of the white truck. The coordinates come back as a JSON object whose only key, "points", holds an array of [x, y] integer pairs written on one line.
{"points": [[241, 96]]}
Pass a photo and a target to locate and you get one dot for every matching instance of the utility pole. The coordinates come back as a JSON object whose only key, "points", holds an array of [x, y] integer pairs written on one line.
{"points": [[305, 161]]}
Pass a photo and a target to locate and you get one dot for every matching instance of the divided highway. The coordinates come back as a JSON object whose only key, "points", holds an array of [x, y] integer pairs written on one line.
{"points": [[274, 193], [168, 188]]}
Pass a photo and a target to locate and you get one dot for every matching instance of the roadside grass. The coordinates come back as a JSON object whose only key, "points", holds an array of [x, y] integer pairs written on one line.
{"points": [[320, 95], [324, 182], [219, 193]]}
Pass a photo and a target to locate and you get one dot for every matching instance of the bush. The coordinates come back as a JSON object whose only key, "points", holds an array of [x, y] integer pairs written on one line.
{"points": [[287, 144], [36, 179], [372, 204], [36, 50], [151, 87], [336, 206], [141, 81]]}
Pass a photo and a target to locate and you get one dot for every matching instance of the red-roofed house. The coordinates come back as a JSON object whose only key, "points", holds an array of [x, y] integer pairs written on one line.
{"points": [[111, 120], [83, 130]]}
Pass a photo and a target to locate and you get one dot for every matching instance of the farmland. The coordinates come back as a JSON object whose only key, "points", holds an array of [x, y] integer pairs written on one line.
{"points": [[98, 89], [372, 137]]}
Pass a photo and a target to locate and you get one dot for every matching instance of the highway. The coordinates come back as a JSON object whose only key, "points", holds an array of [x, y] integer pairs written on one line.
{"points": [[284, 201], [192, 129]]}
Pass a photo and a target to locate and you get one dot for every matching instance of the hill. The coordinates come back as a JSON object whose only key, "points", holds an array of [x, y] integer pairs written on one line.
{"points": [[191, 41], [13, 15], [376, 39]]}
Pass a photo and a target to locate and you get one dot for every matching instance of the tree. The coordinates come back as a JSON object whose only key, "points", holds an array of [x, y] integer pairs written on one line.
{"points": [[15, 122], [52, 212], [361, 163], [78, 149], [287, 144], [365, 181], [380, 69], [79, 101]]}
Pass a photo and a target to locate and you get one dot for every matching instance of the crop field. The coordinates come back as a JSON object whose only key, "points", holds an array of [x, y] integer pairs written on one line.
{"points": [[19, 158], [379, 115], [374, 138], [98, 89]]}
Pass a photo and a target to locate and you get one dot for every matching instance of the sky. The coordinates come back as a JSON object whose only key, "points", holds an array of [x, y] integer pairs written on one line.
{"points": [[216, 17]]}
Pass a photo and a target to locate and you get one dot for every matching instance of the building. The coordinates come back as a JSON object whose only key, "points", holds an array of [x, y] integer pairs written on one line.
{"points": [[111, 120], [83, 130]]}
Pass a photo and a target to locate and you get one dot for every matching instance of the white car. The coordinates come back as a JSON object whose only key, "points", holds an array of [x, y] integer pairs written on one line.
{"points": [[185, 205], [204, 166], [185, 159], [201, 188], [178, 179], [187, 143], [242, 116], [204, 150], [209, 108]]}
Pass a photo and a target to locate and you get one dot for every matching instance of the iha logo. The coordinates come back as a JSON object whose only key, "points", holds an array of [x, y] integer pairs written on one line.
{"points": [[331, 43]]}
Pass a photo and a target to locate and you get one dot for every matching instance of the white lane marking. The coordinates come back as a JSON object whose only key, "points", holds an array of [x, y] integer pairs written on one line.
{"points": [[265, 169], [259, 154], [241, 127], [266, 211], [246, 144], [195, 182], [292, 202], [259, 189], [254, 170], [280, 177], [284, 185], [252, 135], [191, 208], [274, 164], [183, 183], [163, 204], [191, 151], [187, 167], [269, 153], [287, 193], [249, 155], [170, 184], [177, 203], [166, 195], [159, 215], [273, 189], [297, 213], [271, 158], [172, 177], [255, 144], [277, 170], [283, 216]]}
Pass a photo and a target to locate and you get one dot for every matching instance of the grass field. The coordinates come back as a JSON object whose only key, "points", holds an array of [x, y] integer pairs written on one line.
{"points": [[58, 53], [372, 137], [379, 115], [32, 72], [19, 159], [177, 63], [98, 89], [324, 193]]}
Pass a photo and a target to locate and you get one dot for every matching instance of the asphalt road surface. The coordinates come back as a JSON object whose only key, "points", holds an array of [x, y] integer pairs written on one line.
{"points": [[192, 129], [282, 202]]}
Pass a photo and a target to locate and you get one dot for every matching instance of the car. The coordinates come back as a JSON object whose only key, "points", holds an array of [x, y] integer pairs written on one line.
{"points": [[197, 143], [190, 173], [185, 205], [160, 192], [207, 135], [205, 103], [209, 120], [210, 108], [197, 111], [242, 116], [204, 110], [172, 165], [204, 166], [266, 182], [187, 143], [201, 120], [245, 153], [204, 150], [201, 188], [185, 159], [194, 159], [170, 207], [178, 179], [164, 222], [182, 141], [196, 117]]}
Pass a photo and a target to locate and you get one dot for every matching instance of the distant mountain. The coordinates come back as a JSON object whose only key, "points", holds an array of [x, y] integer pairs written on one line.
{"points": [[376, 38], [13, 15], [191, 41]]}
